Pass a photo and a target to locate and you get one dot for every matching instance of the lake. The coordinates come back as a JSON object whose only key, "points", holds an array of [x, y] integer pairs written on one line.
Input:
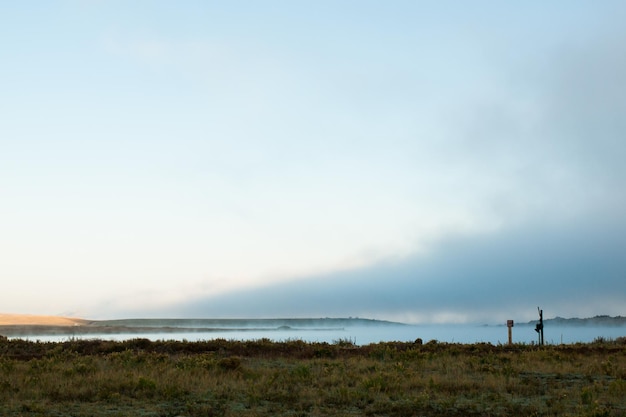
{"points": [[363, 335]]}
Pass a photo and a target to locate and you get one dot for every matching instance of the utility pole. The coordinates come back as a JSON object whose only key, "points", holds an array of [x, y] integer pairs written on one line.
{"points": [[539, 326]]}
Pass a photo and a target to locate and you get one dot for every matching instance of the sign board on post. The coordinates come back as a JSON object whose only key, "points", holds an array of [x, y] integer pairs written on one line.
{"points": [[509, 324]]}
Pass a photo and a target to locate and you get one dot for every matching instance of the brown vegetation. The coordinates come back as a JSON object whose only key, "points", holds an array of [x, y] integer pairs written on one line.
{"points": [[295, 378]]}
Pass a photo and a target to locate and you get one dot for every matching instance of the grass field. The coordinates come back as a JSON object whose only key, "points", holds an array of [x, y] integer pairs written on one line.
{"points": [[263, 378]]}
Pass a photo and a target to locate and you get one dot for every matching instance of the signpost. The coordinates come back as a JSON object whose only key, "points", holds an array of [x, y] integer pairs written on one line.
{"points": [[509, 324], [539, 326]]}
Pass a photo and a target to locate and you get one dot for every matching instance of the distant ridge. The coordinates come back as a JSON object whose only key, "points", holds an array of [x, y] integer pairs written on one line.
{"points": [[16, 325], [590, 321], [34, 320], [308, 323]]}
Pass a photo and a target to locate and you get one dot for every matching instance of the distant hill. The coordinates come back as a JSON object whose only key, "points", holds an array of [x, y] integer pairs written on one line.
{"points": [[591, 321], [14, 325], [303, 323], [31, 320]]}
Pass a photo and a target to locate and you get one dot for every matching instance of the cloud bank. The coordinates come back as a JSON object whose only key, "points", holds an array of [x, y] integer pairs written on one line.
{"points": [[567, 271]]}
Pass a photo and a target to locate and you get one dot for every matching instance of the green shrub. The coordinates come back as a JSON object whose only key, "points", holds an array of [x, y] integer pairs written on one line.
{"points": [[231, 363]]}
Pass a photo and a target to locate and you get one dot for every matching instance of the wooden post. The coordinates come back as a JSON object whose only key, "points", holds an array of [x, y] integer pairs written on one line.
{"points": [[509, 324], [539, 327]]}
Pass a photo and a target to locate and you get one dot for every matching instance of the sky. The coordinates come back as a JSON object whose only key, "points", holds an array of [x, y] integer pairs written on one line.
{"points": [[419, 161]]}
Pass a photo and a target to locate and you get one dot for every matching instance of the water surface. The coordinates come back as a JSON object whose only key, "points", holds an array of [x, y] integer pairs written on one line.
{"points": [[363, 335]]}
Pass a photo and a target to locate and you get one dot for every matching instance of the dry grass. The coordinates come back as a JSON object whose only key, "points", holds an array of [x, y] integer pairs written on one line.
{"points": [[261, 378], [30, 320]]}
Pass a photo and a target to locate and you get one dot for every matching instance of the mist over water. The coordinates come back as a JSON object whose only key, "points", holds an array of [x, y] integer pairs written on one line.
{"points": [[363, 335]]}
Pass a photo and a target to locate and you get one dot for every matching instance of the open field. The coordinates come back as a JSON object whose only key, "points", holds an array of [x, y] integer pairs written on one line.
{"points": [[263, 378]]}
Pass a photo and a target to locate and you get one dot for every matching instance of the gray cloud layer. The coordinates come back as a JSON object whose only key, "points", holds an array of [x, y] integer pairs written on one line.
{"points": [[567, 271]]}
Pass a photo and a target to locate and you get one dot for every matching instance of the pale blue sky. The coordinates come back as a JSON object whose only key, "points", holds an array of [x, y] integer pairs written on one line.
{"points": [[156, 155]]}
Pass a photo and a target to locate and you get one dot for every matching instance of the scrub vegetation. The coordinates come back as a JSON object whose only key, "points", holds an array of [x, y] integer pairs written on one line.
{"points": [[295, 378]]}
